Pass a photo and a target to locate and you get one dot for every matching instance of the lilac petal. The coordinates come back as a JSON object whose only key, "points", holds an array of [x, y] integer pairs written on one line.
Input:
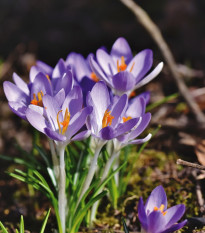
{"points": [[52, 108], [36, 120], [123, 81], [86, 84], [107, 133], [73, 101], [14, 93], [66, 82], [59, 69], [54, 135], [45, 68], [175, 227], [136, 108], [118, 110], [145, 95], [106, 62], [174, 214], [36, 108], [21, 84], [18, 108], [150, 76], [141, 127], [142, 140], [33, 72], [41, 83], [155, 222], [77, 121], [156, 199], [141, 64], [125, 127], [121, 48], [79, 64], [98, 71], [60, 97], [81, 136], [100, 101], [142, 215]]}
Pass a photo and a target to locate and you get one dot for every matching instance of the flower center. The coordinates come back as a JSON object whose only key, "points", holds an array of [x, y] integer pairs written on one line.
{"points": [[37, 100], [161, 208], [94, 77], [123, 65], [107, 119], [65, 121], [125, 119]]}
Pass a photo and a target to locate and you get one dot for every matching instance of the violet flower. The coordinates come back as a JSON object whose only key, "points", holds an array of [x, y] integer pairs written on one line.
{"points": [[154, 215], [122, 72], [62, 117]]}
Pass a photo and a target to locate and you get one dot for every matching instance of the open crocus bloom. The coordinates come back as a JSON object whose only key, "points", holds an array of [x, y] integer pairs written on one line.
{"points": [[61, 118], [154, 215], [121, 71], [105, 120], [136, 109]]}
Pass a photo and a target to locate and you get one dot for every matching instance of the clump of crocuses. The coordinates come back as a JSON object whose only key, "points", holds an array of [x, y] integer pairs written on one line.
{"points": [[154, 215], [79, 98]]}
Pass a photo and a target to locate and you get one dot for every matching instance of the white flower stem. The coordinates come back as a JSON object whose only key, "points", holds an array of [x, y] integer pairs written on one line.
{"points": [[104, 176], [62, 202], [54, 158], [91, 172]]}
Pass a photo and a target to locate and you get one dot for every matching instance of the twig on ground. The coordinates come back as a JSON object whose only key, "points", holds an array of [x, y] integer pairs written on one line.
{"points": [[188, 164], [155, 33]]}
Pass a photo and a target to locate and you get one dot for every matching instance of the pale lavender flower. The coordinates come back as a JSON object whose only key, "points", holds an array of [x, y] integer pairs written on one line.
{"points": [[122, 72]]}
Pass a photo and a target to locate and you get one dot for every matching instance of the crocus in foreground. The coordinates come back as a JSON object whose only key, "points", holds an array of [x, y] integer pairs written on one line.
{"points": [[154, 215]]}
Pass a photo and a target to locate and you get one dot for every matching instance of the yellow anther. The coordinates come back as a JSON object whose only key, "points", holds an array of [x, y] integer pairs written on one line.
{"points": [[161, 209], [38, 101], [125, 119], [94, 77], [65, 121], [107, 119]]}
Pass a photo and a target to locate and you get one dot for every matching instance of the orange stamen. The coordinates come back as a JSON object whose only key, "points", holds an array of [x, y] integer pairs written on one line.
{"points": [[125, 119], [38, 101], [94, 77], [47, 76], [123, 65], [132, 94], [161, 208], [107, 119], [65, 121]]}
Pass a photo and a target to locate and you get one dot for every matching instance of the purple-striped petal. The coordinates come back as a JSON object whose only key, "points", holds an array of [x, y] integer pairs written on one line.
{"points": [[14, 93], [21, 84], [106, 62], [123, 81], [59, 69], [141, 127], [65, 82], [121, 48], [150, 76], [54, 135], [174, 214], [142, 215], [107, 133], [136, 108], [175, 227], [81, 136], [77, 121], [18, 108], [119, 109], [141, 141], [141, 64], [125, 127], [60, 97], [155, 222], [45, 68], [156, 199]]}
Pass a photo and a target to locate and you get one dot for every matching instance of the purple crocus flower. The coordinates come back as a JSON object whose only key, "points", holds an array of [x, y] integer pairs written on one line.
{"points": [[154, 215], [62, 117], [122, 72], [105, 120]]}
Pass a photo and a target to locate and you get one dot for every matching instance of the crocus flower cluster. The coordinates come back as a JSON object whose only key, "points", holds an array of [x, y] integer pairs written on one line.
{"points": [[154, 215], [81, 97]]}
